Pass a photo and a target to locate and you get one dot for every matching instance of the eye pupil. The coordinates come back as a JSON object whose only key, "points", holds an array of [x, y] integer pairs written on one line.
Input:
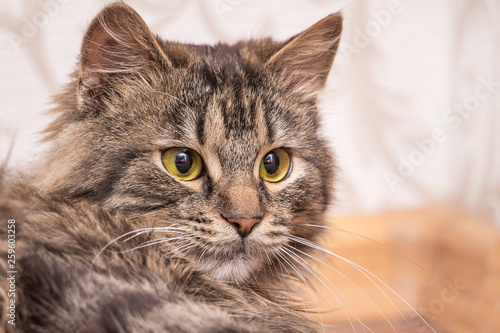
{"points": [[183, 162], [271, 163]]}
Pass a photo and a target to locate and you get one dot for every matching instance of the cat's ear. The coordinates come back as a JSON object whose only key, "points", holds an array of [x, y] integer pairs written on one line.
{"points": [[117, 42], [305, 60]]}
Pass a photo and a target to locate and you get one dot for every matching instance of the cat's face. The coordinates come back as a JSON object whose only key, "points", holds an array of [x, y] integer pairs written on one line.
{"points": [[220, 142]]}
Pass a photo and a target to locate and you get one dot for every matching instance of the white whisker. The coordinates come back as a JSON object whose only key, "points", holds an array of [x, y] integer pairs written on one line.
{"points": [[365, 272], [156, 229], [350, 309], [181, 249], [307, 285], [293, 284], [154, 242], [351, 233], [350, 281], [377, 286], [201, 256], [116, 239]]}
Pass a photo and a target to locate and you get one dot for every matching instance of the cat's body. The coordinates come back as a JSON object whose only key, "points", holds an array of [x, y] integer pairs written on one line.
{"points": [[110, 238]]}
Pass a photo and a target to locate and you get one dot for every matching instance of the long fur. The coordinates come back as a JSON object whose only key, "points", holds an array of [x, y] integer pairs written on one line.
{"points": [[108, 241]]}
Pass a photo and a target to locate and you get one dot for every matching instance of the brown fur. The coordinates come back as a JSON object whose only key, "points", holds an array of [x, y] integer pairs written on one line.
{"points": [[132, 97]]}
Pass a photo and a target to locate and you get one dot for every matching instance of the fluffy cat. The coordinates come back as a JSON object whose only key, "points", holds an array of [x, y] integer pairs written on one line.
{"points": [[176, 187]]}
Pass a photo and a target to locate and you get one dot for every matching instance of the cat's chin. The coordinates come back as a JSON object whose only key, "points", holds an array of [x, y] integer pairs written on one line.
{"points": [[237, 269]]}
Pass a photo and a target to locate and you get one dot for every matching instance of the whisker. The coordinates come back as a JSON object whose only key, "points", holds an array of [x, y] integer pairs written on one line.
{"points": [[350, 281], [376, 242], [278, 255], [365, 272], [201, 256], [285, 291], [162, 229], [115, 240], [255, 278], [181, 249], [350, 308], [176, 98], [307, 285], [378, 287], [293, 256], [154, 242]]}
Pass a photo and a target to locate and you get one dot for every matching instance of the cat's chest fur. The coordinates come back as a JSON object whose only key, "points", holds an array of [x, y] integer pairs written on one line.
{"points": [[179, 186]]}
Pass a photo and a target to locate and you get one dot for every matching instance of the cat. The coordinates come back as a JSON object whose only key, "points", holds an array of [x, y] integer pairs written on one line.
{"points": [[177, 187]]}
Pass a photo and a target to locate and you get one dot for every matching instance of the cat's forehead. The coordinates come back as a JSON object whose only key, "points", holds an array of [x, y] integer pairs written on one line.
{"points": [[224, 62], [229, 121], [220, 95], [226, 103]]}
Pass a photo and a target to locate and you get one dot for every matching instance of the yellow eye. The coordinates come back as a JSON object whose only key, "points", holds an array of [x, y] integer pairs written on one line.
{"points": [[183, 163], [275, 165]]}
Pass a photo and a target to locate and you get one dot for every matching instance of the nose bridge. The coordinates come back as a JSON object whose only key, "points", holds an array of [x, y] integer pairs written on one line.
{"points": [[242, 200]]}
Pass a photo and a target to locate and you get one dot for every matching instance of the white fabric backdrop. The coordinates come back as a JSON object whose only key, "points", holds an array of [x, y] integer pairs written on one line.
{"points": [[411, 107]]}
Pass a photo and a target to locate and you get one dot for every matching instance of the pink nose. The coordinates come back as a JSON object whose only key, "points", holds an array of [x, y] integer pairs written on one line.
{"points": [[243, 225]]}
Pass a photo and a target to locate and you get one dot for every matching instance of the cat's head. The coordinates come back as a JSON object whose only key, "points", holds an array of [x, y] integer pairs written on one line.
{"points": [[220, 141]]}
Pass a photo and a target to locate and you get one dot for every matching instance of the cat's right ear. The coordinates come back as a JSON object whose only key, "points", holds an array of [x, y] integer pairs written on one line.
{"points": [[117, 42]]}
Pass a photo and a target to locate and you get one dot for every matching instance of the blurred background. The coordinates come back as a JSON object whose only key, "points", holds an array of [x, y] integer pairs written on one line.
{"points": [[412, 110]]}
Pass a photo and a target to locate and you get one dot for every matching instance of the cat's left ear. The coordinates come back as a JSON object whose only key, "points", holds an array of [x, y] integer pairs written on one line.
{"points": [[305, 60]]}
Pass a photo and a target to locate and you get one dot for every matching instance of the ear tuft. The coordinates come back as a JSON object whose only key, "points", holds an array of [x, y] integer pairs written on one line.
{"points": [[117, 41], [305, 60]]}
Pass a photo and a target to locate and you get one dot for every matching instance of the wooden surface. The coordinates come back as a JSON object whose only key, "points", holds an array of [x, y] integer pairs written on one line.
{"points": [[445, 264]]}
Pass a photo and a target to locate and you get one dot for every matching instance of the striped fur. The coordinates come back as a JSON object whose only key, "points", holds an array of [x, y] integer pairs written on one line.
{"points": [[183, 267]]}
